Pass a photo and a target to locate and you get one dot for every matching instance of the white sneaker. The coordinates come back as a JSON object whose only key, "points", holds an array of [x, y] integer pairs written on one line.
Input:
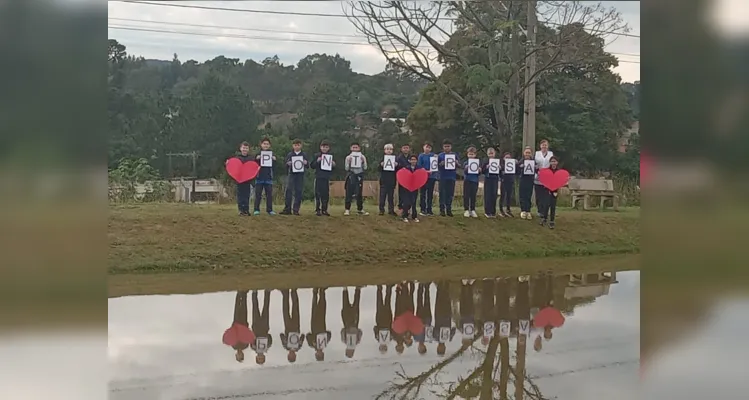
{"points": [[487, 216], [416, 220], [362, 212], [522, 215], [347, 212], [405, 219], [474, 215], [529, 216], [467, 214]]}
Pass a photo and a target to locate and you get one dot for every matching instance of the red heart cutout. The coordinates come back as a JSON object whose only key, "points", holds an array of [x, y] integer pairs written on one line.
{"points": [[412, 180], [242, 172], [553, 180]]}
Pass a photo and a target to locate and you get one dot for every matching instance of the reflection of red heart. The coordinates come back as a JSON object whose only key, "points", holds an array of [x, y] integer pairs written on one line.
{"points": [[553, 180], [408, 322], [242, 172], [412, 180], [548, 316]]}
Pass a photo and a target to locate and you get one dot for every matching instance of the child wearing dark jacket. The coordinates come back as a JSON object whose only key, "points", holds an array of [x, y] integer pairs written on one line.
{"points": [[409, 197], [549, 203], [491, 184], [470, 185], [402, 162], [264, 182], [507, 191], [527, 172], [322, 179], [295, 183], [243, 189], [387, 184]]}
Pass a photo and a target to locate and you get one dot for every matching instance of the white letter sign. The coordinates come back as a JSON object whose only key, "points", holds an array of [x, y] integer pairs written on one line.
{"points": [[504, 329], [384, 336], [524, 327], [326, 162], [444, 334], [494, 164], [529, 167], [429, 334], [433, 165], [450, 162], [510, 166], [350, 341], [261, 344], [388, 162], [488, 329], [266, 158], [321, 340], [468, 331], [473, 166], [294, 341], [356, 160], [297, 164]]}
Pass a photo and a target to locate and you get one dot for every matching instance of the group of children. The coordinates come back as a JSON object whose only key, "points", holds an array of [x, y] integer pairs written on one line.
{"points": [[498, 174]]}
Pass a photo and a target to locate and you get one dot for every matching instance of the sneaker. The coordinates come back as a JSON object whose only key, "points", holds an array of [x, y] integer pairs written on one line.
{"points": [[509, 214], [473, 214], [442, 214], [539, 215], [449, 213], [285, 212], [522, 214], [528, 216], [405, 219], [244, 214], [362, 212], [543, 222], [296, 213], [256, 212], [381, 212], [318, 213], [325, 214], [271, 213], [347, 212], [551, 225], [416, 220], [423, 214], [430, 214], [392, 213], [487, 215], [467, 213]]}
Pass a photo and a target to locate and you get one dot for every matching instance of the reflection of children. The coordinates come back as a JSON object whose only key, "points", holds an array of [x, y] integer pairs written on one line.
{"points": [[527, 175], [409, 197], [261, 325], [383, 315], [426, 192], [424, 312], [291, 324], [491, 185], [322, 180], [488, 312], [239, 336], [467, 312], [295, 183], [350, 318], [243, 189], [470, 187], [318, 325], [508, 188], [549, 205], [354, 184], [387, 185], [264, 182], [404, 306], [443, 317]]}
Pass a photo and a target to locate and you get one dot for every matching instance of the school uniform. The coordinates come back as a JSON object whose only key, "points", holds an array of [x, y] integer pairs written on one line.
{"points": [[423, 310], [507, 187], [447, 183], [426, 193], [549, 205], [491, 184], [384, 312], [387, 190], [264, 184], [467, 309], [470, 190], [322, 184], [243, 189], [401, 162], [527, 177], [318, 324], [261, 320], [239, 336], [443, 313], [291, 320], [542, 161], [354, 184], [408, 198], [295, 184]]}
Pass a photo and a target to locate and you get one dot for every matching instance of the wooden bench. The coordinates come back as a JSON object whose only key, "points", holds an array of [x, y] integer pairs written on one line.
{"points": [[585, 189]]}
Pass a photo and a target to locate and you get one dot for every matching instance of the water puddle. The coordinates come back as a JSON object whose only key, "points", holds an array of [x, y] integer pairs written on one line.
{"points": [[572, 336]]}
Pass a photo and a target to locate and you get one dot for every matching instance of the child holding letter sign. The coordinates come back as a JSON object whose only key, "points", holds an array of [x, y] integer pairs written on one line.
{"points": [[448, 162], [409, 198], [323, 165], [549, 203], [527, 176], [264, 181], [428, 161], [491, 169], [296, 162], [509, 169], [355, 164], [243, 189], [471, 173], [402, 162], [387, 180]]}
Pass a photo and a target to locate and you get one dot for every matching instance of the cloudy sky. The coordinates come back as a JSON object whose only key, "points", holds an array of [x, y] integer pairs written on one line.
{"points": [[288, 36]]}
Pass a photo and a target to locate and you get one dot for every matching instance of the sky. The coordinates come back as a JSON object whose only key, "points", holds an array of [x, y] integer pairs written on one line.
{"points": [[248, 44]]}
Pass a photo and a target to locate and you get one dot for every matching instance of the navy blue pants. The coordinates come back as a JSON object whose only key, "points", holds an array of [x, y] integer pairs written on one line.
{"points": [[508, 193], [294, 186], [427, 196], [268, 189], [490, 195], [447, 191], [243, 197]]}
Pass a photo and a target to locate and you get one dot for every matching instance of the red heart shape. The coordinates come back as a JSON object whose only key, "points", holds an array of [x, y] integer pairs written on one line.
{"points": [[553, 180], [412, 180], [242, 172]]}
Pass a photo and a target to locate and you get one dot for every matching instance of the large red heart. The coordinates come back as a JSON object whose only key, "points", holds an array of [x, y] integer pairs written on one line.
{"points": [[242, 172], [412, 180], [553, 180]]}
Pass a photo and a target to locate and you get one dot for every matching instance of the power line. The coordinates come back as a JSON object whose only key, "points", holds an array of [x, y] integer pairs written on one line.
{"points": [[274, 39], [248, 10]]}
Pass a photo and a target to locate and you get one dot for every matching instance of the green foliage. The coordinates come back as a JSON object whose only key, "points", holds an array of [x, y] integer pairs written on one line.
{"points": [[136, 180]]}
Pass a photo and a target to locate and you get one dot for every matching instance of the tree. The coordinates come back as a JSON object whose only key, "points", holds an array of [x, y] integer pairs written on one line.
{"points": [[488, 48]]}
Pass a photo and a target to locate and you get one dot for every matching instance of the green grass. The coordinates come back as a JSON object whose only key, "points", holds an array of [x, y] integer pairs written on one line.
{"points": [[172, 238]]}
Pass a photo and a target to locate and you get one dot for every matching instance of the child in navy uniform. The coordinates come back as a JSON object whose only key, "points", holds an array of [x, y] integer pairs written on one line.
{"points": [[491, 185], [387, 185], [264, 182], [470, 187], [354, 184], [426, 192], [527, 175], [409, 197], [322, 181], [243, 189], [447, 179], [549, 203], [507, 191], [402, 161], [295, 183]]}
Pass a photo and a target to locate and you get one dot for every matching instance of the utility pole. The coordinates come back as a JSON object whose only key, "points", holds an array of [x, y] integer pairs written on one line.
{"points": [[529, 96]]}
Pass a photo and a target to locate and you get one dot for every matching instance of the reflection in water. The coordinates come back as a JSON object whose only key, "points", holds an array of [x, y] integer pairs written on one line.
{"points": [[496, 319]]}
